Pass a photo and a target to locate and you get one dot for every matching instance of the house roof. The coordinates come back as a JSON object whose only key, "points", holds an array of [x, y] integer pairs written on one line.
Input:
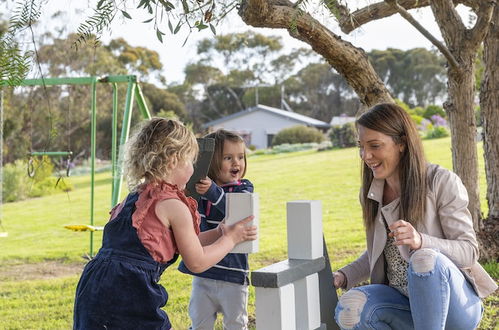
{"points": [[341, 120], [283, 113]]}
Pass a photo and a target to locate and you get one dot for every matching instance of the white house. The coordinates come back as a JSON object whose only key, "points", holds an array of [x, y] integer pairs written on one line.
{"points": [[342, 120], [258, 125]]}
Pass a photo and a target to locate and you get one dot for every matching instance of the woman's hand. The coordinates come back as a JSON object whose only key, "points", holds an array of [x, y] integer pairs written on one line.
{"points": [[240, 231], [203, 185], [405, 234], [339, 280]]}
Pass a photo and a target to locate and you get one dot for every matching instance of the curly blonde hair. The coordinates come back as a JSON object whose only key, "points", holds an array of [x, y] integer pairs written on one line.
{"points": [[153, 147]]}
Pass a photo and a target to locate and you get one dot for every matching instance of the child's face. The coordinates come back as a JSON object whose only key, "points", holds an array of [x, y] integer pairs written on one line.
{"points": [[181, 174], [232, 163]]}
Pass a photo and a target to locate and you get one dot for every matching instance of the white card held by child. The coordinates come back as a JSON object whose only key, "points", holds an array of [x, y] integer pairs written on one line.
{"points": [[239, 206]]}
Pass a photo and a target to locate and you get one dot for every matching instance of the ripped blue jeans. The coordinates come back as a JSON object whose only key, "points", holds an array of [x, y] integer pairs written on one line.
{"points": [[440, 298]]}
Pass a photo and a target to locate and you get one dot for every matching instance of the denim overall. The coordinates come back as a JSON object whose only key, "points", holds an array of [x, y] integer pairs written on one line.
{"points": [[119, 287]]}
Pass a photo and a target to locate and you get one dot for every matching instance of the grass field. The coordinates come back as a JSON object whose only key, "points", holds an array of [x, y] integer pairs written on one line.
{"points": [[40, 261]]}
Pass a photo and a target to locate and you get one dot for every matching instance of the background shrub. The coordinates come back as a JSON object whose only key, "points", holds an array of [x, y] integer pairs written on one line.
{"points": [[436, 132], [298, 134], [434, 110], [16, 183], [344, 136], [437, 120], [43, 168], [417, 119], [418, 111]]}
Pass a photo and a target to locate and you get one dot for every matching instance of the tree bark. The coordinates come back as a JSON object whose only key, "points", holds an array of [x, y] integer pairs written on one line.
{"points": [[463, 43], [460, 109], [350, 21], [489, 104], [349, 61], [488, 237]]}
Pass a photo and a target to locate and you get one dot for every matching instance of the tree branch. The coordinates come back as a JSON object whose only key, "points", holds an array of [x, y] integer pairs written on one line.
{"points": [[405, 14], [351, 21], [236, 98], [484, 16], [450, 23], [348, 60]]}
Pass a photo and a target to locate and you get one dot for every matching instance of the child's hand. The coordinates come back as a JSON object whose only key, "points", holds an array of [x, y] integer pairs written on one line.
{"points": [[203, 185], [240, 232]]}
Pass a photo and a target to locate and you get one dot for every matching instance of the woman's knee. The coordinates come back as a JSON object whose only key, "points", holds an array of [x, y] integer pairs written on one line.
{"points": [[349, 309], [423, 261]]}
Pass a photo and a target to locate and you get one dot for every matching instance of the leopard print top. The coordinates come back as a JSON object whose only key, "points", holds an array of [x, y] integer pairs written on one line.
{"points": [[396, 265]]}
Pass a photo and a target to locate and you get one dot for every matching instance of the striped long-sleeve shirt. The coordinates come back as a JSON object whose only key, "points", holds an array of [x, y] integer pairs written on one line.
{"points": [[234, 266]]}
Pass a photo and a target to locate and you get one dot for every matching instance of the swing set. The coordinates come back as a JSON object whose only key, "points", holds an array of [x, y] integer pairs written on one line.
{"points": [[133, 92]]}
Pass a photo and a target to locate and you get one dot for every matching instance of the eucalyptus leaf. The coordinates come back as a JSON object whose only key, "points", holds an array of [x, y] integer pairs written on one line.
{"points": [[127, 15], [170, 26], [177, 28], [159, 34]]}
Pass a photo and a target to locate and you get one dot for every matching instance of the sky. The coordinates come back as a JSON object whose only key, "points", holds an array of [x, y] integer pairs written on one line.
{"points": [[392, 32]]}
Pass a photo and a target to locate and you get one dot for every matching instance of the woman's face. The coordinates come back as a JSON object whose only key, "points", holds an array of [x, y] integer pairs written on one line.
{"points": [[380, 153]]}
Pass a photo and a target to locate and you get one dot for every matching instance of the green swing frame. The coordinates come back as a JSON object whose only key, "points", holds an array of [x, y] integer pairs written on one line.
{"points": [[133, 92]]}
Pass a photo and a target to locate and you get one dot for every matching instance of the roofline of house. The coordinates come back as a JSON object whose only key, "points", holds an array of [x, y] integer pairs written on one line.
{"points": [[320, 124]]}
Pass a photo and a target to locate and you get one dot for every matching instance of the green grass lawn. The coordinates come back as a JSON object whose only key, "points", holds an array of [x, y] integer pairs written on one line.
{"points": [[40, 261]]}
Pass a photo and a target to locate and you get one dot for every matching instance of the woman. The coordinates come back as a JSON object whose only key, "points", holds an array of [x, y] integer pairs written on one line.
{"points": [[422, 251]]}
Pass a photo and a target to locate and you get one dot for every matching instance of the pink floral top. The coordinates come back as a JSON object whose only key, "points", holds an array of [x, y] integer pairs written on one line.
{"points": [[153, 234]]}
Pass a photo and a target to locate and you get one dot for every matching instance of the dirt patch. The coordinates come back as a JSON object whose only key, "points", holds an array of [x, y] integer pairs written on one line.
{"points": [[39, 270]]}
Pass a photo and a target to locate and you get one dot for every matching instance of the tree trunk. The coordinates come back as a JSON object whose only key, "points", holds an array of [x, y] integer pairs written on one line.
{"points": [[463, 44], [460, 109], [489, 103]]}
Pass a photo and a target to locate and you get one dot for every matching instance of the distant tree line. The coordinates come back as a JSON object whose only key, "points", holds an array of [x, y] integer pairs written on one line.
{"points": [[229, 73]]}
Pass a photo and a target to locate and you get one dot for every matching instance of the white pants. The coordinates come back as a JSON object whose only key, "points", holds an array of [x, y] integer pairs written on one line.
{"points": [[209, 297]]}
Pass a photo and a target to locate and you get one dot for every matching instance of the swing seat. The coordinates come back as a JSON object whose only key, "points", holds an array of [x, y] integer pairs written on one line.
{"points": [[84, 227]]}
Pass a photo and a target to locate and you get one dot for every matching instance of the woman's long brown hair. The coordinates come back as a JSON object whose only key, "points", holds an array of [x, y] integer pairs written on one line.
{"points": [[392, 120]]}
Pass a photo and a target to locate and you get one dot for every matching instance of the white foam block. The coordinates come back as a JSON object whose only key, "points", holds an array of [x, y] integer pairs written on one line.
{"points": [[237, 207], [304, 219], [275, 308]]}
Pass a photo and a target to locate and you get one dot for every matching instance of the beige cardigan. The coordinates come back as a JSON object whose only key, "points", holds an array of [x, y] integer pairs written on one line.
{"points": [[447, 226]]}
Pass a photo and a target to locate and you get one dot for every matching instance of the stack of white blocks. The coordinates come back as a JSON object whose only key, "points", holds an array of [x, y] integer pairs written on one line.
{"points": [[295, 305]]}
